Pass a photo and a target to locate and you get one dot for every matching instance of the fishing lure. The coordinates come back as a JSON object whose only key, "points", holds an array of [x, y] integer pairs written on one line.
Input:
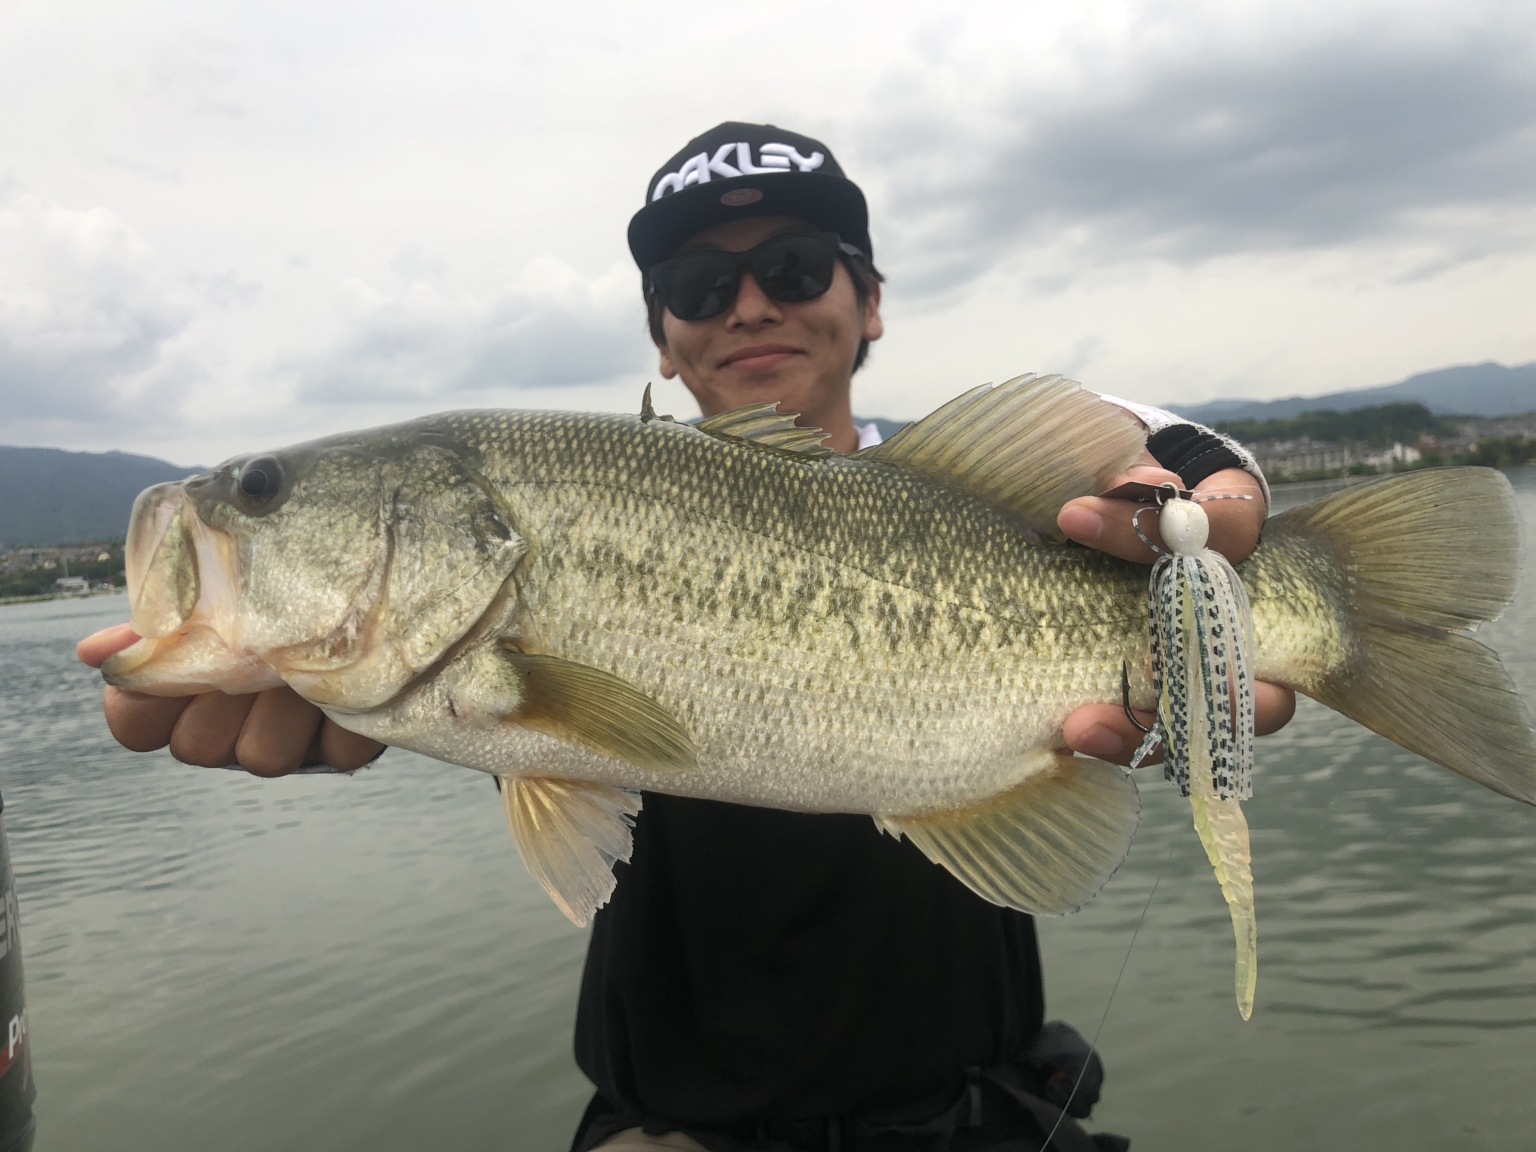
{"points": [[1202, 674]]}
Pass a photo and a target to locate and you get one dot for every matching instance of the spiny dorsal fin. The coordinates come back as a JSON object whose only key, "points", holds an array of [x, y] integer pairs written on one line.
{"points": [[594, 709], [1029, 445], [764, 425], [569, 834], [648, 411], [1045, 846]]}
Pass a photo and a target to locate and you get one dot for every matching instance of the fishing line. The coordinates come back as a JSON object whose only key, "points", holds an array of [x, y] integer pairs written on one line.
{"points": [[1093, 1045]]}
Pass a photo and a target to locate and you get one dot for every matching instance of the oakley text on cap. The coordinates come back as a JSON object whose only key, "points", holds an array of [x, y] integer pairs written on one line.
{"points": [[737, 169]]}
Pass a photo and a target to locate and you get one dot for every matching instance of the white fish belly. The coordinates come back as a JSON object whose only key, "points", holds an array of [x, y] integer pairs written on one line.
{"points": [[797, 764]]}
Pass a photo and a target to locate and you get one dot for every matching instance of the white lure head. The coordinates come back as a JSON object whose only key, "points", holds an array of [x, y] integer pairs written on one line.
{"points": [[1185, 527]]}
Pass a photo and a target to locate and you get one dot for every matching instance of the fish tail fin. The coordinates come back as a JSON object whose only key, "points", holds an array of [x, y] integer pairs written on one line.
{"points": [[1420, 557]]}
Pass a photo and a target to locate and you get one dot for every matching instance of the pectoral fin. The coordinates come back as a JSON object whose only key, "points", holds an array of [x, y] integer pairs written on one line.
{"points": [[1045, 846], [569, 834], [596, 710]]}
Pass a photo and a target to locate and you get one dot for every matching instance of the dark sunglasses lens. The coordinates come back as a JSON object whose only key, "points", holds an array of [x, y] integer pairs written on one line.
{"points": [[698, 286], [789, 268], [795, 268]]}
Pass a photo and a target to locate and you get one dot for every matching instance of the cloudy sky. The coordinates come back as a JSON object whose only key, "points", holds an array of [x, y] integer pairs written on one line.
{"points": [[231, 224]]}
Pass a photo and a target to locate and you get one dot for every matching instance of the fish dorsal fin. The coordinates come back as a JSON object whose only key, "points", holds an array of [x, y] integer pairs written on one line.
{"points": [[1045, 846], [1029, 445], [585, 706], [766, 426], [648, 410], [569, 834]]}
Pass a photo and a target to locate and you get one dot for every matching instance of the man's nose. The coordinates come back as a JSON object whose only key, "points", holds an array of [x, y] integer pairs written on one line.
{"points": [[753, 305]]}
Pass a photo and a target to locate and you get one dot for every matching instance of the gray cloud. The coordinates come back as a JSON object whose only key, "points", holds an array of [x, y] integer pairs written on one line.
{"points": [[419, 341], [83, 315], [1218, 147], [227, 289]]}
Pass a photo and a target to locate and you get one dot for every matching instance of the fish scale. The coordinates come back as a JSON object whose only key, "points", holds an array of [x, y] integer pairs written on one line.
{"points": [[835, 628]]}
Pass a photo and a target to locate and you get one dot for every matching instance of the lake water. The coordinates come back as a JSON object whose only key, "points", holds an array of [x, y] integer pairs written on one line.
{"points": [[219, 962]]}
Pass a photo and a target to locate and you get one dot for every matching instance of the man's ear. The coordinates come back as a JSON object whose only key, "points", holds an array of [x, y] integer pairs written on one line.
{"points": [[668, 369], [874, 328]]}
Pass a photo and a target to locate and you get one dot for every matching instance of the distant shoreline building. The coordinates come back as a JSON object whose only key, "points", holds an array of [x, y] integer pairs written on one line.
{"points": [[1307, 458], [67, 570]]}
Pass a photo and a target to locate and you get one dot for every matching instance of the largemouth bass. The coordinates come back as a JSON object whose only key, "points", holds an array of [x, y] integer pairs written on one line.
{"points": [[588, 606]]}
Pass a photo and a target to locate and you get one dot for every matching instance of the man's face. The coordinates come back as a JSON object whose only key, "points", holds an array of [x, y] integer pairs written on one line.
{"points": [[800, 354]]}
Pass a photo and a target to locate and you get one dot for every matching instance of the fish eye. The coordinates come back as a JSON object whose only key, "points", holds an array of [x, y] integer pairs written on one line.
{"points": [[261, 479]]}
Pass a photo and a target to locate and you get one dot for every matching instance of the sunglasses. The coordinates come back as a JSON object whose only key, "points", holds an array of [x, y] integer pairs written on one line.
{"points": [[791, 268]]}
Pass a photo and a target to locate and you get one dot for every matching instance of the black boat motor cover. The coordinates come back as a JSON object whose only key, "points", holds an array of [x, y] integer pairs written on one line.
{"points": [[17, 1091]]}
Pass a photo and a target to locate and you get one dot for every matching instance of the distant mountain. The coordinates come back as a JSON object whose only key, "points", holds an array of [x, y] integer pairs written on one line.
{"points": [[1467, 390], [49, 496]]}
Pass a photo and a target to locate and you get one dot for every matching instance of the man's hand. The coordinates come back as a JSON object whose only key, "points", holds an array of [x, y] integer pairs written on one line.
{"points": [[1102, 730], [267, 733]]}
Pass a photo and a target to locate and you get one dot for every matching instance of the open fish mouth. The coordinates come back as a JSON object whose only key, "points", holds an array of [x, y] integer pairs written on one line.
{"points": [[182, 588]]}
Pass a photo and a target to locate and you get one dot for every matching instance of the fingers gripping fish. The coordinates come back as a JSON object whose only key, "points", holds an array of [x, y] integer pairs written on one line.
{"points": [[590, 606]]}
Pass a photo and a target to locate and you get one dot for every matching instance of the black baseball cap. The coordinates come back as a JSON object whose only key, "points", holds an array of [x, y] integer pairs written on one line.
{"points": [[737, 170]]}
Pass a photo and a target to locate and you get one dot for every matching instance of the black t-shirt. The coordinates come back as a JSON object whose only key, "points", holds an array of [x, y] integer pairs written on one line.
{"points": [[756, 965]]}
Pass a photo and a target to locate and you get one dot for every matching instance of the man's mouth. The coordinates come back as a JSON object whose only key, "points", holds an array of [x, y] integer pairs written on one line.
{"points": [[759, 357]]}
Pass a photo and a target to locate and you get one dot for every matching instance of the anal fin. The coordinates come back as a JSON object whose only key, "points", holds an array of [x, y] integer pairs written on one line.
{"points": [[569, 834], [1045, 846]]}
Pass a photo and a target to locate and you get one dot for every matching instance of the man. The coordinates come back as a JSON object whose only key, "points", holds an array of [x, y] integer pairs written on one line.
{"points": [[763, 979], [763, 976]]}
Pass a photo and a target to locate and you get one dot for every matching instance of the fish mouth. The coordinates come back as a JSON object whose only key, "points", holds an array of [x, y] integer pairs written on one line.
{"points": [[183, 579]]}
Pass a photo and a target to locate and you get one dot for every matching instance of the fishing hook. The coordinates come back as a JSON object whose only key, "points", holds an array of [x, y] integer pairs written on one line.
{"points": [[1145, 539], [1125, 698]]}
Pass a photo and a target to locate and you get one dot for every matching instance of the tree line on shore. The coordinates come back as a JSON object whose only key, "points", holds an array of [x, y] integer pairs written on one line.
{"points": [[1292, 446]]}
